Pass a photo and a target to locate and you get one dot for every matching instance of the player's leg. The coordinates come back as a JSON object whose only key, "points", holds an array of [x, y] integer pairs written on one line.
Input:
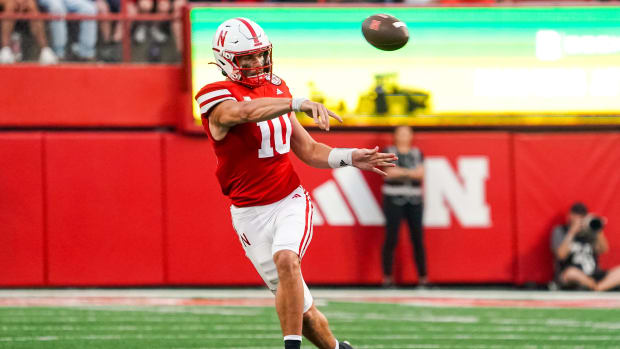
{"points": [[316, 329], [414, 220], [575, 275], [290, 292], [393, 216], [611, 280], [293, 233]]}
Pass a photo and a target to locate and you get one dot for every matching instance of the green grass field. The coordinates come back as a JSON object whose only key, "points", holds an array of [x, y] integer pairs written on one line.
{"points": [[364, 324]]}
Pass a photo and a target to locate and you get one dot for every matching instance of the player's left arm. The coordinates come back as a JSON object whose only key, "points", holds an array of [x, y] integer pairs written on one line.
{"points": [[317, 154]]}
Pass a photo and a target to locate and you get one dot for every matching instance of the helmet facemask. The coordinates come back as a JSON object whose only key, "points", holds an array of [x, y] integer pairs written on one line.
{"points": [[250, 74]]}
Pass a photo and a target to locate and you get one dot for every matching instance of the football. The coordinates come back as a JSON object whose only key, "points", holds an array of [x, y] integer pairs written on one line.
{"points": [[385, 32]]}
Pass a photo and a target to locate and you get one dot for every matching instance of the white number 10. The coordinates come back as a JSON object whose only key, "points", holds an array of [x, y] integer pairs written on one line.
{"points": [[282, 145]]}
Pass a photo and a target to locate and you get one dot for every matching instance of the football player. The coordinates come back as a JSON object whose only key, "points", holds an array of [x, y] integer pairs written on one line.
{"points": [[250, 120]]}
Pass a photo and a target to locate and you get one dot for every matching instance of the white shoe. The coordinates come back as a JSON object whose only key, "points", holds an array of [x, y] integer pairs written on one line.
{"points": [[47, 56], [139, 35], [6, 55], [158, 35]]}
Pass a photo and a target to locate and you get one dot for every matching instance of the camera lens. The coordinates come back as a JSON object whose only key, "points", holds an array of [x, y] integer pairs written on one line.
{"points": [[596, 224]]}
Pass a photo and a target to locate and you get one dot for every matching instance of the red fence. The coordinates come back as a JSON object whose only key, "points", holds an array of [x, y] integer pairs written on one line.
{"points": [[132, 208]]}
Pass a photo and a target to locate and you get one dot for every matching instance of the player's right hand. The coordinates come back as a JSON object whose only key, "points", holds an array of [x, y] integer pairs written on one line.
{"points": [[319, 113]]}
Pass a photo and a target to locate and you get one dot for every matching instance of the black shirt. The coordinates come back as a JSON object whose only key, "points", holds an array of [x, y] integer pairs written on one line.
{"points": [[402, 191]]}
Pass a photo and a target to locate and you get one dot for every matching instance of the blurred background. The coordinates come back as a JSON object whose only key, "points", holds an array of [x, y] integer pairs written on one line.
{"points": [[107, 179]]}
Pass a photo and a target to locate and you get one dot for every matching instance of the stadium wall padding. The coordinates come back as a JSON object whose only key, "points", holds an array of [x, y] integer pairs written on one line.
{"points": [[552, 172], [104, 208], [92, 96], [22, 237], [144, 208]]}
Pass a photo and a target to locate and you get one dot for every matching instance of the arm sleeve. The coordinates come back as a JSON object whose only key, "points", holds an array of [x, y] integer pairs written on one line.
{"points": [[210, 96]]}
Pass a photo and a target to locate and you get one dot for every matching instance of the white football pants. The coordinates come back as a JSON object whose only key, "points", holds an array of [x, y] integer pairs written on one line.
{"points": [[265, 230]]}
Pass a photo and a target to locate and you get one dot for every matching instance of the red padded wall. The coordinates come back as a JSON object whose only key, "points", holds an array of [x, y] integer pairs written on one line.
{"points": [[202, 247], [105, 208], [87, 95], [21, 210], [136, 208], [352, 254], [462, 254], [552, 172]]}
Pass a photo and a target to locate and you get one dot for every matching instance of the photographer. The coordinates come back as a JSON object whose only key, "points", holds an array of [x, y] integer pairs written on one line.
{"points": [[576, 247]]}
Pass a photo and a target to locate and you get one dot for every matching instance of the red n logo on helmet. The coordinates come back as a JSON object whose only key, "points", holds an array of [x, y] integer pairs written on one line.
{"points": [[220, 40]]}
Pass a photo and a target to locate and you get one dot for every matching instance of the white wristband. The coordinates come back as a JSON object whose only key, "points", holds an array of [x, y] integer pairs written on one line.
{"points": [[296, 103], [340, 157]]}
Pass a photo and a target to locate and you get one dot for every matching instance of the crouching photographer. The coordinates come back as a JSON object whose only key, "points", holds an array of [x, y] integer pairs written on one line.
{"points": [[576, 247]]}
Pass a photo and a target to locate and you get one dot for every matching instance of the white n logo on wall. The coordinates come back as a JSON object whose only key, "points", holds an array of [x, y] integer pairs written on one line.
{"points": [[465, 193]]}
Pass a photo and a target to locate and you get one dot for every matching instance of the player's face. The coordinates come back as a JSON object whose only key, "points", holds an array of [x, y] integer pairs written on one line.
{"points": [[254, 60]]}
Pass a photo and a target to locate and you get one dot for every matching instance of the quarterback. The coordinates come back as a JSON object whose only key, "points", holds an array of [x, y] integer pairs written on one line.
{"points": [[250, 120]]}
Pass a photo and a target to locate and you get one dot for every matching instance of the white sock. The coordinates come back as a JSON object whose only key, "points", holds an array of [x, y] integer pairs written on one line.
{"points": [[337, 345], [292, 337]]}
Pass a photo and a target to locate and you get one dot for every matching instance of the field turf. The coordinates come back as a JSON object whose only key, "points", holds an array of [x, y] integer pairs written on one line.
{"points": [[366, 324]]}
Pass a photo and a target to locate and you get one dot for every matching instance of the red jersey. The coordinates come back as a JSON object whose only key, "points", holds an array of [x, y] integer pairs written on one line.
{"points": [[253, 167]]}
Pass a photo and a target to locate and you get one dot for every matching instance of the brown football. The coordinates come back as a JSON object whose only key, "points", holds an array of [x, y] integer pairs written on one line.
{"points": [[385, 32]]}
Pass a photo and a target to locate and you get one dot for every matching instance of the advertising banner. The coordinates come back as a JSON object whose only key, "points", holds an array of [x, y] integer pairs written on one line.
{"points": [[462, 65]]}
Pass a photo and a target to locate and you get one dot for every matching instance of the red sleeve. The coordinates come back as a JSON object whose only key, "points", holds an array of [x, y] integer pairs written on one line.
{"points": [[210, 95]]}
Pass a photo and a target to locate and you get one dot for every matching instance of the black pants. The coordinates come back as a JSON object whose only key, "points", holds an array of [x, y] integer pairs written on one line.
{"points": [[393, 216]]}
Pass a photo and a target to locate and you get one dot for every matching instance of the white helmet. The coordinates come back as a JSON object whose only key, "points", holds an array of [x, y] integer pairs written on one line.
{"points": [[239, 37]]}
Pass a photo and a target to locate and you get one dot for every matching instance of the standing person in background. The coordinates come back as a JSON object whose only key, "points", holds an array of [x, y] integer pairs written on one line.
{"points": [[402, 198]]}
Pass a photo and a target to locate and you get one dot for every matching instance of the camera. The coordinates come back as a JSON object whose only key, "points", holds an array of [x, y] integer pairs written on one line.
{"points": [[593, 223], [591, 226]]}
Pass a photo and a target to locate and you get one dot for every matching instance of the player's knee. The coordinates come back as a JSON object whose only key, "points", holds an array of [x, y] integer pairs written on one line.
{"points": [[287, 263]]}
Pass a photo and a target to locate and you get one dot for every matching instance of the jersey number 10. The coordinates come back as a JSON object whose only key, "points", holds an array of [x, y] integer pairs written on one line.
{"points": [[282, 145]]}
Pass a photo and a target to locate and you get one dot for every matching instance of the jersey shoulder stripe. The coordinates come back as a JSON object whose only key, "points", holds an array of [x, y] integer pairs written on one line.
{"points": [[200, 98], [210, 95]]}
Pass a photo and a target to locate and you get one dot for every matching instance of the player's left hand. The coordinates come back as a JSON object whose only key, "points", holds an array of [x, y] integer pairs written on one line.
{"points": [[371, 159]]}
